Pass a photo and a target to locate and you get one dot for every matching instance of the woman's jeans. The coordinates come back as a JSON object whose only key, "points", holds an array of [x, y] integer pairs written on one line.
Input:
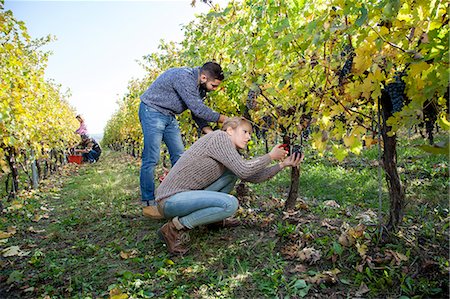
{"points": [[200, 207], [156, 127]]}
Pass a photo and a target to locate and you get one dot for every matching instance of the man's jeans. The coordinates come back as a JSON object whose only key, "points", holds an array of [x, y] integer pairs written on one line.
{"points": [[92, 156], [156, 127], [200, 207]]}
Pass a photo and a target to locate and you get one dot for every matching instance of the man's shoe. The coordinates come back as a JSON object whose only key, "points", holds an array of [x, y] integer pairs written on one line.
{"points": [[227, 222], [152, 212], [176, 240]]}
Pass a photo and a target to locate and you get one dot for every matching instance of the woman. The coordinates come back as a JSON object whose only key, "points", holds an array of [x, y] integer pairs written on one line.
{"points": [[82, 129], [195, 192]]}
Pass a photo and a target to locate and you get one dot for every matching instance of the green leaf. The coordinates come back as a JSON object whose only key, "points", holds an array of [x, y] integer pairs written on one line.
{"points": [[441, 148], [300, 284], [15, 276], [362, 18]]}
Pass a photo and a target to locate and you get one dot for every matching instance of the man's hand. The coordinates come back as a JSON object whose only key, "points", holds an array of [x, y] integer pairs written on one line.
{"points": [[207, 130], [222, 118], [293, 160], [278, 152]]}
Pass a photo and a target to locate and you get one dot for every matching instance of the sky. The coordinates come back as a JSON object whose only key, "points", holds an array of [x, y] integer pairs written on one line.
{"points": [[98, 44]]}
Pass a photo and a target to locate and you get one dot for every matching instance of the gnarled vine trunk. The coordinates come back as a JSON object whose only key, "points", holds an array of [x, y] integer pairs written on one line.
{"points": [[14, 172], [293, 190], [396, 190]]}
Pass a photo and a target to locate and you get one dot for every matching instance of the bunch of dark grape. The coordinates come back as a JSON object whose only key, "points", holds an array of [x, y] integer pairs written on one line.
{"points": [[396, 92], [305, 133], [297, 150], [251, 100], [268, 120], [347, 68], [348, 49]]}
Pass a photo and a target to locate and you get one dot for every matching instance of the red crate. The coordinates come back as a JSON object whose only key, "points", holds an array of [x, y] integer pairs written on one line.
{"points": [[75, 159]]}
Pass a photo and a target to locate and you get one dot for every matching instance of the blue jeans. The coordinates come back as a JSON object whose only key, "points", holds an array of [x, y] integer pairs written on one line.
{"points": [[156, 127], [200, 207], [92, 156]]}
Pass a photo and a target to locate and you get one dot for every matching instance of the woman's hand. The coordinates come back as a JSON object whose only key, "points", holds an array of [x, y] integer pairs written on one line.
{"points": [[293, 160], [278, 152]]}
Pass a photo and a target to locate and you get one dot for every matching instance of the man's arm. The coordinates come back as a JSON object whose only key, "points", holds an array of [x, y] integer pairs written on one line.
{"points": [[188, 91], [208, 129]]}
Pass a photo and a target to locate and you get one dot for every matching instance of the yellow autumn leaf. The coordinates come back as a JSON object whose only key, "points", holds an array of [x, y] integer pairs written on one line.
{"points": [[362, 249], [443, 122], [319, 145], [129, 254], [434, 25], [349, 140], [36, 218], [4, 235], [359, 130], [169, 262], [117, 294], [366, 87], [418, 68], [384, 30], [339, 152], [369, 141]]}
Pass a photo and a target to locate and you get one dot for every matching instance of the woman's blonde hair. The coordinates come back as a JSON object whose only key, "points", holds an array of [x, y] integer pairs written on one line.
{"points": [[234, 122]]}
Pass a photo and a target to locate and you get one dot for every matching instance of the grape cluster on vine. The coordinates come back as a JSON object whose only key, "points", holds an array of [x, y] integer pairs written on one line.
{"points": [[347, 68], [251, 100], [396, 92]]}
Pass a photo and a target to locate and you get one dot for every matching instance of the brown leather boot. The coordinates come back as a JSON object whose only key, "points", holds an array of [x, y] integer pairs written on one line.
{"points": [[175, 239], [227, 222]]}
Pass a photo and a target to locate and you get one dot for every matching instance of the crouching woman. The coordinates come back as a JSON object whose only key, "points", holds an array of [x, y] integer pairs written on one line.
{"points": [[195, 192]]}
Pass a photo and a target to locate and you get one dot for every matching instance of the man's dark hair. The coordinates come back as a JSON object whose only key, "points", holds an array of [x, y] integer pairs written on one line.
{"points": [[213, 70]]}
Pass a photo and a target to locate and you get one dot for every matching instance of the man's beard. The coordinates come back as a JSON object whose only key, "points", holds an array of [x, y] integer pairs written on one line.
{"points": [[202, 87]]}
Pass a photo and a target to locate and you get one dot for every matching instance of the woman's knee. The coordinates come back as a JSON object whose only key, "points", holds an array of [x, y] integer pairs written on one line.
{"points": [[231, 205]]}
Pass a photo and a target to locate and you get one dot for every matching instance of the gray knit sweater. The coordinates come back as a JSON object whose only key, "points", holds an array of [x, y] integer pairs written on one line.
{"points": [[206, 160], [176, 90]]}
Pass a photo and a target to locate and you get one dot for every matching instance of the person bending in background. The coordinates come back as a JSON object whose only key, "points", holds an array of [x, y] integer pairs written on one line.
{"points": [[173, 92], [195, 191], [90, 149], [82, 129]]}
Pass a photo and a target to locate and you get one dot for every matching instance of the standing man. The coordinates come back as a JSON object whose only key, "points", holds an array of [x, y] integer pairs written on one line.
{"points": [[173, 92]]}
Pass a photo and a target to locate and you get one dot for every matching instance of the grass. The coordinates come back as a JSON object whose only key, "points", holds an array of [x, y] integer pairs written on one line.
{"points": [[89, 240]]}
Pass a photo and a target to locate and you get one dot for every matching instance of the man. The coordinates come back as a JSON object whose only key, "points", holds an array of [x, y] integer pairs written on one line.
{"points": [[173, 92], [91, 150]]}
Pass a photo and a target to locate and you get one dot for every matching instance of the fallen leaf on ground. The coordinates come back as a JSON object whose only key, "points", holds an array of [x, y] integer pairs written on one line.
{"points": [[299, 268], [331, 204], [397, 256], [362, 289], [310, 255], [367, 217], [117, 294], [129, 254], [329, 277], [327, 225], [33, 230], [14, 251], [349, 236], [290, 252], [4, 235], [362, 249]]}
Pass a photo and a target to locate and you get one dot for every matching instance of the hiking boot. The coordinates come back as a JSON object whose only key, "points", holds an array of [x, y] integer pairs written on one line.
{"points": [[227, 222], [152, 212], [175, 239]]}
